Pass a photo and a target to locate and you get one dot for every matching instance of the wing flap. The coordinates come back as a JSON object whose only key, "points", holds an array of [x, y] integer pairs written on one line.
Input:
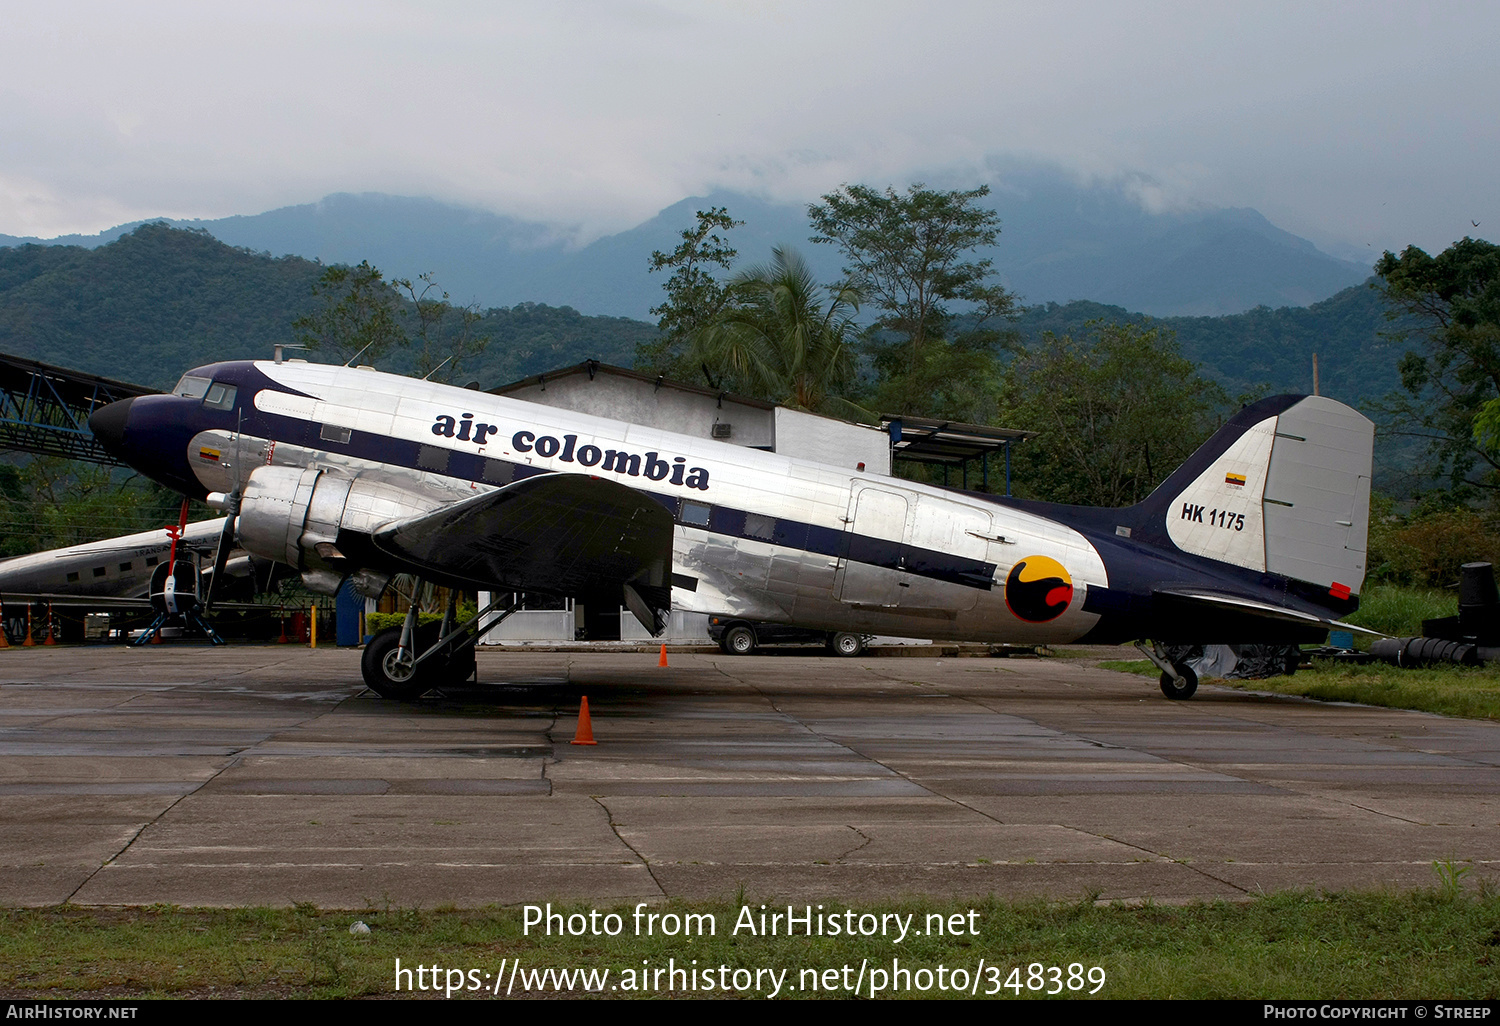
{"points": [[567, 534]]}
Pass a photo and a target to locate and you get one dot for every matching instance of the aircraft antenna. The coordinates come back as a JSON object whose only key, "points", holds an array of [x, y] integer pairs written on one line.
{"points": [[434, 370], [361, 352]]}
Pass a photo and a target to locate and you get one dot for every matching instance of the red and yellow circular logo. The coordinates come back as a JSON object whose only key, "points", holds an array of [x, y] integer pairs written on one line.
{"points": [[1038, 589]]}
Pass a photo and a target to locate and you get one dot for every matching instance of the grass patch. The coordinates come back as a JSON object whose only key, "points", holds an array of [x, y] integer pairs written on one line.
{"points": [[1144, 667], [1469, 691], [1399, 611], [1472, 692], [1440, 942]]}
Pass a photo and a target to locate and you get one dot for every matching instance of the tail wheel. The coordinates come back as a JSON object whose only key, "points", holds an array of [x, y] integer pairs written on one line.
{"points": [[1179, 689], [846, 644]]}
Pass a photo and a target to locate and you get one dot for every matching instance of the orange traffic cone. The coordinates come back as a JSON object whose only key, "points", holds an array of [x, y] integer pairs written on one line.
{"points": [[585, 733], [51, 627], [283, 640], [663, 660], [28, 643]]}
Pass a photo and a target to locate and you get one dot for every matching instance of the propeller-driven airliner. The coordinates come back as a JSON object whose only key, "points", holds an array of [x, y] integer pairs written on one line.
{"points": [[350, 474]]}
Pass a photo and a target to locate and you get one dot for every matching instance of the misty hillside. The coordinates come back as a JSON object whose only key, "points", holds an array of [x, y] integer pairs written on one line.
{"points": [[1060, 241]]}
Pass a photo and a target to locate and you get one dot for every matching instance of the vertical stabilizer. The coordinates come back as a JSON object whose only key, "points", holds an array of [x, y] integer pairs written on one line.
{"points": [[1283, 488]]}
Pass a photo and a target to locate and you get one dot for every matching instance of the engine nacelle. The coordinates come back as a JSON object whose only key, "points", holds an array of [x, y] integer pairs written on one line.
{"points": [[294, 515]]}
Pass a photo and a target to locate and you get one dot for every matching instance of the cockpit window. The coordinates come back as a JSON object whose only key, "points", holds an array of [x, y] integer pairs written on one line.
{"points": [[220, 396], [191, 387]]}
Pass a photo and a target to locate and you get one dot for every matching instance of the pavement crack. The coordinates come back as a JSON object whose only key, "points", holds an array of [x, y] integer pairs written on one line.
{"points": [[644, 861], [232, 762], [235, 759], [865, 843], [1164, 857], [1386, 815]]}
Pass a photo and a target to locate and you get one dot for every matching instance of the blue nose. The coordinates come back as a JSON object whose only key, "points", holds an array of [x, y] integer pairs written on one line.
{"points": [[108, 425], [152, 433]]}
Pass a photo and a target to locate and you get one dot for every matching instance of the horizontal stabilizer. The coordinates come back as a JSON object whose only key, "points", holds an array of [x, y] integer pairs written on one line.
{"points": [[1248, 606]]}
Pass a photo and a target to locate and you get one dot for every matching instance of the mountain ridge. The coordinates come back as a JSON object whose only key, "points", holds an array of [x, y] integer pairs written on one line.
{"points": [[1059, 242]]}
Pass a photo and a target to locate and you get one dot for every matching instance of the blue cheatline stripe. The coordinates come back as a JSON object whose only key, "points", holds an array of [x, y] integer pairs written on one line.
{"points": [[724, 520]]}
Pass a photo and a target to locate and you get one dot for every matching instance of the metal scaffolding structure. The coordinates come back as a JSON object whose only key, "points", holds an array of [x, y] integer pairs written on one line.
{"points": [[45, 409], [949, 443]]}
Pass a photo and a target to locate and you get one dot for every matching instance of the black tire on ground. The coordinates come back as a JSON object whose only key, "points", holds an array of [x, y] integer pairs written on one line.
{"points": [[1174, 690], [845, 644], [385, 676], [382, 675], [739, 640]]}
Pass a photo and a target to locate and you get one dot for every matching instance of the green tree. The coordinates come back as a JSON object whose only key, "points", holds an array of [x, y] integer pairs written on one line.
{"points": [[48, 502], [912, 257], [775, 339], [695, 297], [1117, 412], [1452, 387], [359, 315], [446, 335]]}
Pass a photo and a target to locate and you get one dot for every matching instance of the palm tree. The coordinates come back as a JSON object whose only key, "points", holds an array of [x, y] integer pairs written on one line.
{"points": [[775, 340]]}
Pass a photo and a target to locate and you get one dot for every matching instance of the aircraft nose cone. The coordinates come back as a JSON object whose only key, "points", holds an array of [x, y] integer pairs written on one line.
{"points": [[108, 425]]}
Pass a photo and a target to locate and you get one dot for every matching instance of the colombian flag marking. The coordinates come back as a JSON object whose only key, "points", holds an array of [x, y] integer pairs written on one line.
{"points": [[1234, 479]]}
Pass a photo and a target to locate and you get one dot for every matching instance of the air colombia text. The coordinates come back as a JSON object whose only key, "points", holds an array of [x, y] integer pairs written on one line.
{"points": [[653, 467]]}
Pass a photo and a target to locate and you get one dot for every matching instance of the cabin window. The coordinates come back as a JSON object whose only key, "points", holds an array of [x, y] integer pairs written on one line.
{"points": [[334, 433], [124, 568], [73, 577], [758, 525], [433, 457], [151, 560], [498, 471], [695, 513], [220, 396], [99, 571], [192, 387]]}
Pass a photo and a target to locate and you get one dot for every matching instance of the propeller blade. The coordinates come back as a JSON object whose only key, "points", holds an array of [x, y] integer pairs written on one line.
{"points": [[221, 553]]}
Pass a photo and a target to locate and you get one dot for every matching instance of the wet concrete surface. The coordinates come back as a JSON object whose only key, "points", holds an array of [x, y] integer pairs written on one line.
{"points": [[269, 775]]}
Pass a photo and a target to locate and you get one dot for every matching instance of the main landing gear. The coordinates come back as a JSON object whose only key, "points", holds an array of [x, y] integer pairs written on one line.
{"points": [[1178, 681], [406, 662]]}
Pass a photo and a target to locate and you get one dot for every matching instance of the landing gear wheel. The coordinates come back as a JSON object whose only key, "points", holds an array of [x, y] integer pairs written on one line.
{"points": [[739, 641], [846, 644], [391, 673], [1179, 690]]}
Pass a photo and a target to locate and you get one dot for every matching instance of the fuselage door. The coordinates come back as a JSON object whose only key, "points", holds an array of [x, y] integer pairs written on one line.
{"points": [[945, 558], [873, 548]]}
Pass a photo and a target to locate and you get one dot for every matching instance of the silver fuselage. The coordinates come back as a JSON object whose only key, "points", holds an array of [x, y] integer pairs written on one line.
{"points": [[926, 562]]}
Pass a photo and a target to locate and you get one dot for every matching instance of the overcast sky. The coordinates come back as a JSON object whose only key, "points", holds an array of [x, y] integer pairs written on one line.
{"points": [[1353, 124]]}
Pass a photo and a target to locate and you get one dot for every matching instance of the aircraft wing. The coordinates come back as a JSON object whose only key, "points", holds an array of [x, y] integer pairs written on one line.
{"points": [[568, 534], [1231, 603]]}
